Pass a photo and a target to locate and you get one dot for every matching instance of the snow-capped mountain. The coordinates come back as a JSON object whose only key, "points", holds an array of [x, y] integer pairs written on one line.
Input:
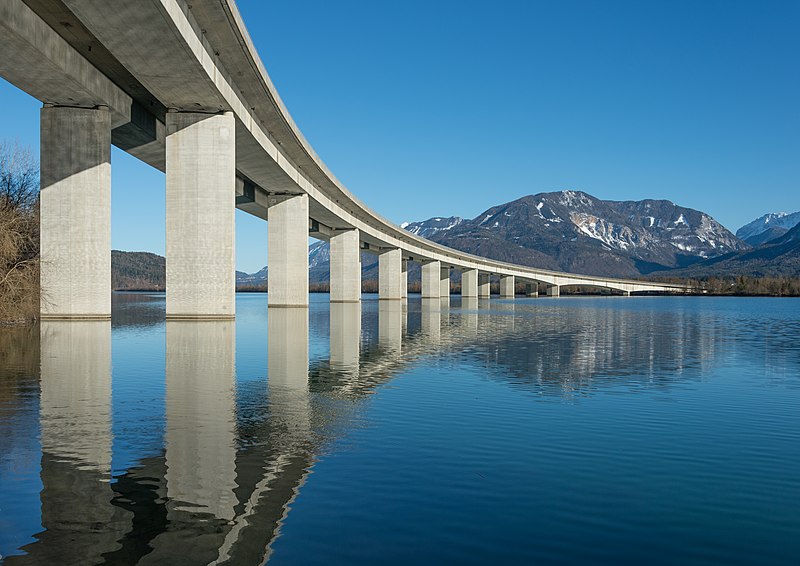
{"points": [[768, 227], [427, 228], [574, 231]]}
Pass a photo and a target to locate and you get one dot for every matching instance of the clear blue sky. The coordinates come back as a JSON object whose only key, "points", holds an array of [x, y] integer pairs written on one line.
{"points": [[446, 108]]}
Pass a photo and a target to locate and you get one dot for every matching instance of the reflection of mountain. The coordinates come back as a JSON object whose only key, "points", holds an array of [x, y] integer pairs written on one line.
{"points": [[236, 454]]}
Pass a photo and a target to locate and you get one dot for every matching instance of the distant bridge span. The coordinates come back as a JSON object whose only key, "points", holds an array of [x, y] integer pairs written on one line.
{"points": [[181, 87]]}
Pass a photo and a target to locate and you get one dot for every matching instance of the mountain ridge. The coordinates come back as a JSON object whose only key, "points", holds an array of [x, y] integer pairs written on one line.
{"points": [[779, 257], [576, 232], [768, 227]]}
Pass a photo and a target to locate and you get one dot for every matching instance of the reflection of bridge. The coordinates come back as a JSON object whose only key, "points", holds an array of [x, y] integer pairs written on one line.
{"points": [[181, 87], [221, 487]]}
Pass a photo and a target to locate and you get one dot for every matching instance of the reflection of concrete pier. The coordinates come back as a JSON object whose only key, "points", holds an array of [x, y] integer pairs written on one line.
{"points": [[432, 319], [75, 401], [391, 315], [345, 336], [287, 371], [469, 316], [200, 473], [79, 523], [201, 427]]}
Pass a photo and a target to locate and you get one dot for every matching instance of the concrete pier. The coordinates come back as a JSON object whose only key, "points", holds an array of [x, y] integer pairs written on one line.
{"points": [[444, 282], [75, 210], [431, 272], [201, 200], [554, 291], [287, 238], [345, 266], [469, 283], [484, 288], [390, 275], [404, 279], [532, 289], [507, 284]]}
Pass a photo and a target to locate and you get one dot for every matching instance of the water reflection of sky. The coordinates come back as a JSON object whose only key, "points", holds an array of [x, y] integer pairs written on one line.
{"points": [[148, 441]]}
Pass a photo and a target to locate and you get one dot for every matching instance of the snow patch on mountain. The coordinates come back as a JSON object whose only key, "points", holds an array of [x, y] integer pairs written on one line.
{"points": [[428, 228]]}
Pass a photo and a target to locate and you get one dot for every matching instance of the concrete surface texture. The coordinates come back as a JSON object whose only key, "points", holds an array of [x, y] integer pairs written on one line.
{"points": [[201, 196], [431, 273], [484, 287], [345, 267], [469, 283], [390, 275], [507, 286], [287, 235], [444, 282], [75, 212]]}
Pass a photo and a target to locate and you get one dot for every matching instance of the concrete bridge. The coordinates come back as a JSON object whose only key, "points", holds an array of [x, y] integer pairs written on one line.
{"points": [[181, 87]]}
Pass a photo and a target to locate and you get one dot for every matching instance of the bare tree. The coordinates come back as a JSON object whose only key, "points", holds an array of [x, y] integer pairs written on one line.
{"points": [[19, 176], [19, 233]]}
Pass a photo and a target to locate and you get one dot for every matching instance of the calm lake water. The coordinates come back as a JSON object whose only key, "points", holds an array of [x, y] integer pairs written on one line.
{"points": [[608, 430]]}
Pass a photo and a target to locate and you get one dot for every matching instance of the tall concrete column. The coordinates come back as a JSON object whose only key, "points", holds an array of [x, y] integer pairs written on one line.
{"points": [[507, 284], [532, 289], [201, 201], [431, 272], [75, 212], [554, 291], [390, 275], [287, 235], [345, 266], [484, 288], [626, 293], [469, 283], [404, 279], [444, 282]]}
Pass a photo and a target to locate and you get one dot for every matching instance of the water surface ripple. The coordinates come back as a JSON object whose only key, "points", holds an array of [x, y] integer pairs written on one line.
{"points": [[643, 430]]}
